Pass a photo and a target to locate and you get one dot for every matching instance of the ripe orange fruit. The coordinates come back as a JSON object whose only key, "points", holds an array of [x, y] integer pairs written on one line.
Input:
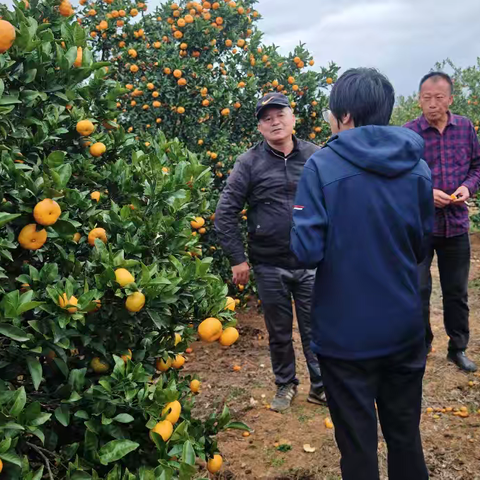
{"points": [[180, 110], [195, 386], [229, 336], [164, 429], [163, 366], [189, 18], [127, 356], [85, 128], [210, 330], [133, 12], [134, 68], [182, 82], [99, 233], [199, 222], [66, 9], [225, 112], [47, 212], [215, 464], [95, 196], [178, 362], [78, 60], [63, 302], [1, 465], [133, 53], [329, 80], [230, 304], [98, 149], [77, 237], [237, 368], [328, 423], [177, 73], [173, 409], [156, 104], [31, 239], [123, 277], [135, 302]]}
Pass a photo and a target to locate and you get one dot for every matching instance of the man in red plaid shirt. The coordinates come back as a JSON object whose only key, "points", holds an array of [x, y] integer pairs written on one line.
{"points": [[453, 154]]}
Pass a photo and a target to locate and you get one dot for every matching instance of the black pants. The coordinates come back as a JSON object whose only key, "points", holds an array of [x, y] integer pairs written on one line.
{"points": [[395, 383], [276, 287], [453, 264]]}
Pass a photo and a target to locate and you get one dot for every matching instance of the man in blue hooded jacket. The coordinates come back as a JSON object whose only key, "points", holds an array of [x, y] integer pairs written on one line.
{"points": [[363, 216]]}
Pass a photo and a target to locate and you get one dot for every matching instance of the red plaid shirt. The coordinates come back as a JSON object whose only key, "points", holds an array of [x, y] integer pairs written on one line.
{"points": [[454, 159]]}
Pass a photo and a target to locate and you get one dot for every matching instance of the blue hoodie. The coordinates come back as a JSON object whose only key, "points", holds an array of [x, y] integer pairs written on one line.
{"points": [[363, 217]]}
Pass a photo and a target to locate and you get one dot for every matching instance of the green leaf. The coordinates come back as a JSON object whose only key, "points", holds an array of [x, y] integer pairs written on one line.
{"points": [[82, 414], [8, 217], [115, 450], [55, 159], [5, 445], [188, 454], [64, 227], [62, 414], [61, 175], [11, 458], [123, 418], [237, 426], [40, 419], [20, 399], [12, 332], [36, 372], [71, 56]]}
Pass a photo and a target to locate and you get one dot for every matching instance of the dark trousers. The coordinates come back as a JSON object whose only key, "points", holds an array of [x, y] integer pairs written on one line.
{"points": [[276, 287], [453, 264], [395, 383]]}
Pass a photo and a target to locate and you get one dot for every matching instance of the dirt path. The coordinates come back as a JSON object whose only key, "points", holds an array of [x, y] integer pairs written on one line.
{"points": [[275, 448]]}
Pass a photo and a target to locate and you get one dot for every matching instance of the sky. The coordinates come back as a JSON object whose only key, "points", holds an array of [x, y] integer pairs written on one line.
{"points": [[402, 38]]}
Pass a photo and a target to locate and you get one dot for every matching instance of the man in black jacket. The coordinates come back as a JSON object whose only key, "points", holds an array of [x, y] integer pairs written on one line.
{"points": [[266, 179]]}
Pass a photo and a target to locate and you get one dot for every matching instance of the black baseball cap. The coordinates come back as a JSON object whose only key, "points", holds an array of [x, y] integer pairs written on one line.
{"points": [[273, 99]]}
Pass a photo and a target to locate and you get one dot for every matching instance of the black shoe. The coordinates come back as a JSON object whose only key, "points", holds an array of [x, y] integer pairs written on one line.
{"points": [[317, 397], [462, 361]]}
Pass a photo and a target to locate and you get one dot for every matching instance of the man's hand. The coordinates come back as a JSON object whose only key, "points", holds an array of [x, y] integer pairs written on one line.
{"points": [[462, 193], [241, 274], [441, 199]]}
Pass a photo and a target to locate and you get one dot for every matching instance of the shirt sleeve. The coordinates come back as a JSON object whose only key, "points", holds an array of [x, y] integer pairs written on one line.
{"points": [[310, 220], [232, 201], [473, 177]]}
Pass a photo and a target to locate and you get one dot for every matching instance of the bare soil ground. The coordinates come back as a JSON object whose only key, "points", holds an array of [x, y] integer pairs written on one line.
{"points": [[274, 450]]}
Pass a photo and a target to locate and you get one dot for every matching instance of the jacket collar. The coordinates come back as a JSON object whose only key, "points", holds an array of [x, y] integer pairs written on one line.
{"points": [[269, 148]]}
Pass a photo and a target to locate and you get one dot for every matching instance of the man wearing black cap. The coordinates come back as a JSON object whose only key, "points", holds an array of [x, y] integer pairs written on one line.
{"points": [[265, 178]]}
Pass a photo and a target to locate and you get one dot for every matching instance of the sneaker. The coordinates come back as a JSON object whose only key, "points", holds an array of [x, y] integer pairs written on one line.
{"points": [[283, 398], [317, 397]]}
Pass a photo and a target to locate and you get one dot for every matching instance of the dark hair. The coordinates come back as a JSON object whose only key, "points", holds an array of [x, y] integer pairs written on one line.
{"points": [[437, 76], [364, 93]]}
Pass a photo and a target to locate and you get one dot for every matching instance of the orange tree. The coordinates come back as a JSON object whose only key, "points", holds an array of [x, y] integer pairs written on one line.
{"points": [[102, 281], [195, 71]]}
